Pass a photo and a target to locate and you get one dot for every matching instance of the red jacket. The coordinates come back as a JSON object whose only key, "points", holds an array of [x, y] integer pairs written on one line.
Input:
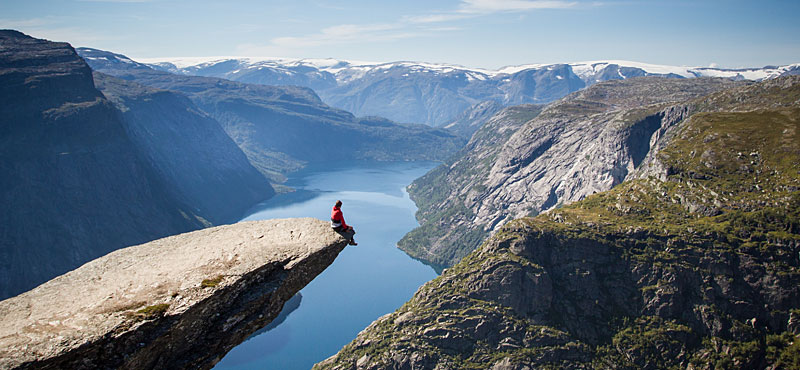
{"points": [[337, 217]]}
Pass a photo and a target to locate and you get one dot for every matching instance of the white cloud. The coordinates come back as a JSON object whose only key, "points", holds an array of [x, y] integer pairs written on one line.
{"points": [[73, 35], [117, 1], [25, 23], [493, 6], [444, 29], [54, 28], [339, 34], [345, 33], [435, 18], [405, 27], [475, 8]]}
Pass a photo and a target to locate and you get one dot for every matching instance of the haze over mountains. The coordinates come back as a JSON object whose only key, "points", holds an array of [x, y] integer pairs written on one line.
{"points": [[92, 163], [604, 214], [435, 94], [282, 127]]}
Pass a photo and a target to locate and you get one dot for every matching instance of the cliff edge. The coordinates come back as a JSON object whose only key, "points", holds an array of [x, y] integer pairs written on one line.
{"points": [[177, 302]]}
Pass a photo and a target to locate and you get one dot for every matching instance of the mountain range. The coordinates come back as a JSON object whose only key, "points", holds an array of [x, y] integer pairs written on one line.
{"points": [[92, 163], [690, 263], [435, 94], [601, 215], [280, 128]]}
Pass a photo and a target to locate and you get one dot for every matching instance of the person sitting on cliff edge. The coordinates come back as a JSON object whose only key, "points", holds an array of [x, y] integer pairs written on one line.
{"points": [[338, 224]]}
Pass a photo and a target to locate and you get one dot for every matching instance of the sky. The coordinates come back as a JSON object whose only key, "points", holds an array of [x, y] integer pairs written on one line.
{"points": [[474, 33]]}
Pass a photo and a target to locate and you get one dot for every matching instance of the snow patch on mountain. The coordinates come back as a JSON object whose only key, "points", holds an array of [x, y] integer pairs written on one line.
{"points": [[347, 70]]}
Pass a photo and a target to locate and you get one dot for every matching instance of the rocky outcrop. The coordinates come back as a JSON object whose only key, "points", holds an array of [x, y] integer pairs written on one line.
{"points": [[280, 128], [178, 302], [439, 217], [73, 186], [693, 268], [585, 143], [473, 118]]}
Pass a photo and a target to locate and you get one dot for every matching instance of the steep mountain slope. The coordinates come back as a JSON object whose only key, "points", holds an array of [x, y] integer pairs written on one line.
{"points": [[280, 128], [471, 119], [693, 264], [73, 186], [436, 94], [585, 143], [199, 162]]}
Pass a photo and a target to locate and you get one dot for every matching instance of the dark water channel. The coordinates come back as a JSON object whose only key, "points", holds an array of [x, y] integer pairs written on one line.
{"points": [[364, 283]]}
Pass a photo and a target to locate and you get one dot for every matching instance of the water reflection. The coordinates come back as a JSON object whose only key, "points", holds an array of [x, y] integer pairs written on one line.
{"points": [[364, 283]]}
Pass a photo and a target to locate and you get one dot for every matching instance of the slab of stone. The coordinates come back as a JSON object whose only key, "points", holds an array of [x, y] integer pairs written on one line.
{"points": [[177, 302]]}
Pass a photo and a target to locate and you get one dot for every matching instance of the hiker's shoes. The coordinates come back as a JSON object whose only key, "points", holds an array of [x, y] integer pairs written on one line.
{"points": [[353, 243]]}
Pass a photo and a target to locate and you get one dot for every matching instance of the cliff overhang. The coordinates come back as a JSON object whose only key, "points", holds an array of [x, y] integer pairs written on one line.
{"points": [[178, 302]]}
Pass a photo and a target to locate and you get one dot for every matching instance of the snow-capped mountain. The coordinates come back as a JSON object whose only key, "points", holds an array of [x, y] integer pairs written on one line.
{"points": [[436, 93]]}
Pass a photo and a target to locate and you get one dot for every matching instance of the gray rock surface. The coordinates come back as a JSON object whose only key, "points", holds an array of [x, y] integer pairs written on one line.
{"points": [[585, 143], [177, 302], [471, 119]]}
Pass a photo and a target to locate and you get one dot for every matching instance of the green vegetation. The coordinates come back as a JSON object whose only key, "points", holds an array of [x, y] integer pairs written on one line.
{"points": [[708, 249], [211, 283], [782, 351], [747, 199], [152, 312]]}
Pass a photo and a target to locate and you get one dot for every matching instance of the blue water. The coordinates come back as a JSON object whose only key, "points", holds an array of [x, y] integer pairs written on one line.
{"points": [[364, 283]]}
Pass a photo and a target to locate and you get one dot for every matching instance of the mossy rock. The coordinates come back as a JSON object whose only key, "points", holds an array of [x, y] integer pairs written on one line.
{"points": [[211, 283], [152, 312]]}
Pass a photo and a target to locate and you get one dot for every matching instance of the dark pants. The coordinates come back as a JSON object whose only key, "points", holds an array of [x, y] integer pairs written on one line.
{"points": [[347, 234]]}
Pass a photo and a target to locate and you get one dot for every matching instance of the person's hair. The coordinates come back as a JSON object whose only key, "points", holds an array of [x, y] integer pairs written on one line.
{"points": [[338, 203]]}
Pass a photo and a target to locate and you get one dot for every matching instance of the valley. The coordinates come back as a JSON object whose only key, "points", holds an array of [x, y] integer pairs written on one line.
{"points": [[693, 263], [605, 214]]}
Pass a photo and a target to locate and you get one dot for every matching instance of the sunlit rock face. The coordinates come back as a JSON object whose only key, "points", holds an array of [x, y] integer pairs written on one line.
{"points": [[178, 302]]}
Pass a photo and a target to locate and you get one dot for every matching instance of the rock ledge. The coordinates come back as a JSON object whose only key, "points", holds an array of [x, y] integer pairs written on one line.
{"points": [[178, 302]]}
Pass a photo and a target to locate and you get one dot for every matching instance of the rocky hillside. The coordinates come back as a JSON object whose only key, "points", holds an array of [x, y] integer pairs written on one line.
{"points": [[280, 128], [176, 303], [436, 94], [585, 143], [473, 118], [693, 264], [198, 161], [73, 185]]}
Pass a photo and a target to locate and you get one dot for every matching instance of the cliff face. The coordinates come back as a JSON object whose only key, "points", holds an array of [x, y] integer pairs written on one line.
{"points": [[198, 161], [473, 118], [178, 302], [72, 184], [585, 143], [280, 128], [692, 264]]}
